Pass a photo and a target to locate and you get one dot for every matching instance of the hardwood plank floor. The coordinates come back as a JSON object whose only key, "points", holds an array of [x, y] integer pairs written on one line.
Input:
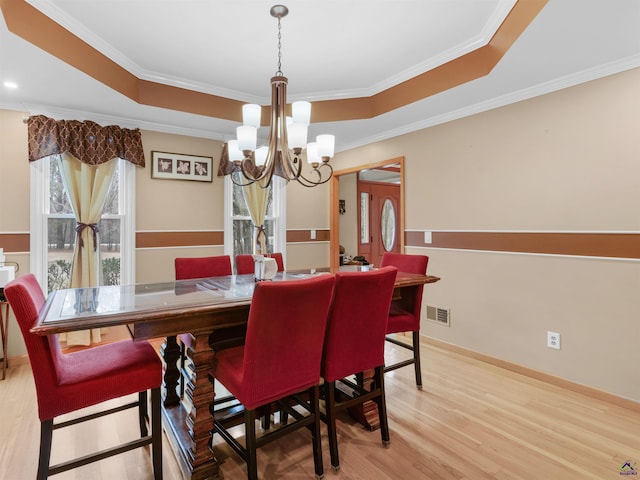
{"points": [[472, 421]]}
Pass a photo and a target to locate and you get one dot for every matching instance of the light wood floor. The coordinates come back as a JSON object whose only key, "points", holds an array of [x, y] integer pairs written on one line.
{"points": [[472, 421]]}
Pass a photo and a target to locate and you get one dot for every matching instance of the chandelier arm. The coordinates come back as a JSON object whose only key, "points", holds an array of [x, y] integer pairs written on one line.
{"points": [[311, 183], [246, 173], [290, 166], [238, 183]]}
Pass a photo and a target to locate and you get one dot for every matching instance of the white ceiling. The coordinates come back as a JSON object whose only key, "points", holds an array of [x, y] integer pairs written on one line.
{"points": [[331, 49]]}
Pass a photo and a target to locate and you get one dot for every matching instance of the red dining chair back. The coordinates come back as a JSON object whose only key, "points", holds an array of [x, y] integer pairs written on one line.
{"points": [[69, 382], [354, 343], [245, 265], [281, 356], [197, 267], [404, 315], [202, 267]]}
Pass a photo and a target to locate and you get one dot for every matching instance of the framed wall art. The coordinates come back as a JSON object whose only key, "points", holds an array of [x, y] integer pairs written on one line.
{"points": [[176, 166]]}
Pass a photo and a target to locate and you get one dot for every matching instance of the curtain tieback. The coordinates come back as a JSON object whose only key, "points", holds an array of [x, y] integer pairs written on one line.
{"points": [[260, 233], [94, 228]]}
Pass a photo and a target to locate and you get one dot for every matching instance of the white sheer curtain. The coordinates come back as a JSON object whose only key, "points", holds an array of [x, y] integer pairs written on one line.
{"points": [[257, 200], [87, 187]]}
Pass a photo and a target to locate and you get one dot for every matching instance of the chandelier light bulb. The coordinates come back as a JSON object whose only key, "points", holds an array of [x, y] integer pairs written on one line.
{"points": [[251, 115], [297, 135], [261, 156], [326, 146], [312, 154], [247, 138], [301, 112], [235, 154]]}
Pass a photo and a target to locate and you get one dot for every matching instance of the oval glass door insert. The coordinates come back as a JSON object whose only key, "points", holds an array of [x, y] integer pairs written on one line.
{"points": [[388, 225]]}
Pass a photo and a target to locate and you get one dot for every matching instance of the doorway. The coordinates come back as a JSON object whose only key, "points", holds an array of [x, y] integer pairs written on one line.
{"points": [[384, 222], [378, 219]]}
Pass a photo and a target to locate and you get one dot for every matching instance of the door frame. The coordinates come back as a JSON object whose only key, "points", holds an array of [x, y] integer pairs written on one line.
{"points": [[334, 215]]}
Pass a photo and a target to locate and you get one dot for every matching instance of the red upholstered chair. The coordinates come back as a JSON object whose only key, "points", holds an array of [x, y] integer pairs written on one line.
{"points": [[197, 267], [281, 357], [404, 315], [244, 263], [69, 382], [354, 343]]}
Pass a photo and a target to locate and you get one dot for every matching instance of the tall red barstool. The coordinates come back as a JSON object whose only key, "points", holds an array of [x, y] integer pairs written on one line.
{"points": [[69, 382], [279, 359], [354, 343], [404, 314]]}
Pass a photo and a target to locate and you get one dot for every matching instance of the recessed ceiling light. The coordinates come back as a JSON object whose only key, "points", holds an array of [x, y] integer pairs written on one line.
{"points": [[10, 84]]}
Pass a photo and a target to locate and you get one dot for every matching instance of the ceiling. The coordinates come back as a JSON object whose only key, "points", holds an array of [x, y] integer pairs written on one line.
{"points": [[374, 69]]}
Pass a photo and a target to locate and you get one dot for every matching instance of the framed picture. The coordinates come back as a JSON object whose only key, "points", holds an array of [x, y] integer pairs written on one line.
{"points": [[176, 166]]}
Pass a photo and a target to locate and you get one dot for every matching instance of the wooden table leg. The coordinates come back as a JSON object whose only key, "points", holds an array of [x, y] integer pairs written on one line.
{"points": [[171, 354], [189, 424], [366, 413]]}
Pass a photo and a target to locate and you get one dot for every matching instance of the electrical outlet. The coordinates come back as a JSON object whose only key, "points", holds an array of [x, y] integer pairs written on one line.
{"points": [[313, 234], [553, 340]]}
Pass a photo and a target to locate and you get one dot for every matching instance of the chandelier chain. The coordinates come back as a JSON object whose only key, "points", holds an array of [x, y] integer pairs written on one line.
{"points": [[279, 72]]}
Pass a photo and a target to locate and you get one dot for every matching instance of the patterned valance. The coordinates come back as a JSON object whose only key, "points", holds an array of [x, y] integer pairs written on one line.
{"points": [[87, 141]]}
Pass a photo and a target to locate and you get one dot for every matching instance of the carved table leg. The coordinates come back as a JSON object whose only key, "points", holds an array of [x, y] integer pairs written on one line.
{"points": [[189, 423], [366, 413], [199, 421], [171, 354]]}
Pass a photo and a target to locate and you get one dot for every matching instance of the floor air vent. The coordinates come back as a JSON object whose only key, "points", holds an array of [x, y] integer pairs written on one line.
{"points": [[438, 314]]}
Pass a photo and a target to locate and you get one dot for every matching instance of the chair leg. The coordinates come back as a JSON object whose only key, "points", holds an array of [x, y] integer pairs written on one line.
{"points": [[382, 407], [143, 413], [416, 359], [314, 399], [250, 445], [46, 435], [330, 404], [156, 432]]}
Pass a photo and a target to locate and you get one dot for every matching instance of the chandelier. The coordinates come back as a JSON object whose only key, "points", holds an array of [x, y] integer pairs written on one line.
{"points": [[282, 156]]}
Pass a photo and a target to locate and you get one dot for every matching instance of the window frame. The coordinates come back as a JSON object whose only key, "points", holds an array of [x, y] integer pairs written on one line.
{"points": [[279, 200], [39, 212]]}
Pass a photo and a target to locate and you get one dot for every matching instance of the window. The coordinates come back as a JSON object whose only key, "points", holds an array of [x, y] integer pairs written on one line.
{"points": [[239, 229], [53, 225]]}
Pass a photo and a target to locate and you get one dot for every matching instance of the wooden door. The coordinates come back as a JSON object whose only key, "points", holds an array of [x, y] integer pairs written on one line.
{"points": [[378, 220]]}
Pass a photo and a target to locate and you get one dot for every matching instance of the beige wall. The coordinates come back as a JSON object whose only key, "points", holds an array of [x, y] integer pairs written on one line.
{"points": [[14, 199], [176, 205], [566, 161], [349, 220]]}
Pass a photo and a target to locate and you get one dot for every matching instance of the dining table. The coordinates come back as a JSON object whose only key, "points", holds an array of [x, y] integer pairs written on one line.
{"points": [[207, 308]]}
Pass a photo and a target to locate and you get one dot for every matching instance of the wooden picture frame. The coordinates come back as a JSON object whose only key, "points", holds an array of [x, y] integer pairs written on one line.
{"points": [[177, 166]]}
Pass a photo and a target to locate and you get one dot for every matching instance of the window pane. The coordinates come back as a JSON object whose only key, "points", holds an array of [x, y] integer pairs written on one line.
{"points": [[58, 200], [364, 217], [240, 207], [111, 203], [244, 234], [61, 240], [110, 250]]}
